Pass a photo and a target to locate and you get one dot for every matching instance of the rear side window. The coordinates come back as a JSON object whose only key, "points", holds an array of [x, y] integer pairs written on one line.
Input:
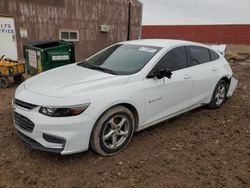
{"points": [[199, 55], [214, 56], [175, 59]]}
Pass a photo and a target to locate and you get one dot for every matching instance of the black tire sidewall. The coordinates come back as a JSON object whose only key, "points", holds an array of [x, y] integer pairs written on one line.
{"points": [[6, 82], [131, 129], [213, 104]]}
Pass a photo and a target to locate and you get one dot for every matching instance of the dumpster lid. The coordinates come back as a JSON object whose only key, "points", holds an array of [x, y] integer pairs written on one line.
{"points": [[44, 43]]}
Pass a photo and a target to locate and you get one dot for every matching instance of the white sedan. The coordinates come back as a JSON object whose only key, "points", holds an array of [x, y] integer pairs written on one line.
{"points": [[127, 87]]}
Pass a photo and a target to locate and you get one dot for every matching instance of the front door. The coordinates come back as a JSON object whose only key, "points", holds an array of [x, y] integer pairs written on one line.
{"points": [[167, 96], [8, 45]]}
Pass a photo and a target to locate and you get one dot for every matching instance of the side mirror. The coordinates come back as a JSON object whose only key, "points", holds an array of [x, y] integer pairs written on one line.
{"points": [[161, 73], [168, 73]]}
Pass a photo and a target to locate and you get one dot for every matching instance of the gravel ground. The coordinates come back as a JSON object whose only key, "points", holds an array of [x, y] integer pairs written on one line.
{"points": [[201, 148]]}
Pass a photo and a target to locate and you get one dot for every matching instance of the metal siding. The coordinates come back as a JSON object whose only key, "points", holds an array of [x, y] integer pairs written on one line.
{"points": [[44, 18], [226, 34]]}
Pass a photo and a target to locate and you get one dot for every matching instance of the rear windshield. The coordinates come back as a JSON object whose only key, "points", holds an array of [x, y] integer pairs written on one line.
{"points": [[123, 59]]}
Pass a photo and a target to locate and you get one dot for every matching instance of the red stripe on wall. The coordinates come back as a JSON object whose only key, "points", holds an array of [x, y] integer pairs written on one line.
{"points": [[222, 34]]}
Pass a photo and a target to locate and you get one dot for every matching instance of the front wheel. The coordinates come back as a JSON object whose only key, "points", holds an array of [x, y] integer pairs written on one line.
{"points": [[219, 95], [113, 131]]}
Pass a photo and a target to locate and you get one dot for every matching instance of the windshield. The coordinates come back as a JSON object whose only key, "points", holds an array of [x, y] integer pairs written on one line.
{"points": [[121, 59]]}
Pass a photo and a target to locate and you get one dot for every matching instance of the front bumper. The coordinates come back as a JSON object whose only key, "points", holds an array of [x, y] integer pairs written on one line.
{"points": [[64, 135], [36, 145]]}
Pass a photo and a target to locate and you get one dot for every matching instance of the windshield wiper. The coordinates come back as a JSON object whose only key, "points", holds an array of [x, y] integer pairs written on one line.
{"points": [[87, 65], [103, 69]]}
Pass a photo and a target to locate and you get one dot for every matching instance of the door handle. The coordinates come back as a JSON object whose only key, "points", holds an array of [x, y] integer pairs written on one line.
{"points": [[214, 69], [187, 76]]}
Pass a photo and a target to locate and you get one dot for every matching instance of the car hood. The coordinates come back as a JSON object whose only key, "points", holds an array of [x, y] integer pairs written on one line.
{"points": [[71, 80]]}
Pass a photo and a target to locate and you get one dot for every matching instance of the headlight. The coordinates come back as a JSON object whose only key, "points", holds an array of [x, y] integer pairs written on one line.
{"points": [[63, 111]]}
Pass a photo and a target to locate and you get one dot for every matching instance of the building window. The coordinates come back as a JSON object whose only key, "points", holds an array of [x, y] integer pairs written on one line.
{"points": [[69, 35]]}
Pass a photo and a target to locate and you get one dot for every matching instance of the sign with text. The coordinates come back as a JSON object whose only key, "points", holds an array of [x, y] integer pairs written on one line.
{"points": [[32, 58], [8, 45]]}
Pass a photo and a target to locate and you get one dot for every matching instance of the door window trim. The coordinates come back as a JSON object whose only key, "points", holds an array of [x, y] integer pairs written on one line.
{"points": [[190, 56], [168, 50], [218, 56]]}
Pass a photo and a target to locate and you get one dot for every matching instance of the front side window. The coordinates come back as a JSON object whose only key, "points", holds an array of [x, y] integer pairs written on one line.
{"points": [[199, 55], [122, 59], [175, 59]]}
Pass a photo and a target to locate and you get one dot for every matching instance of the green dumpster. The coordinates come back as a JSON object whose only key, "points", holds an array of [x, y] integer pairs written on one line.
{"points": [[45, 55]]}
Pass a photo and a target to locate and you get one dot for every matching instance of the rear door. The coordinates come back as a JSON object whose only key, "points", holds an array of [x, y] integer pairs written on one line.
{"points": [[204, 70]]}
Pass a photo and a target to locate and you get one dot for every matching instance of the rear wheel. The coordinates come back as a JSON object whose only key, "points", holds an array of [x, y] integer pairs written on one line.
{"points": [[219, 95], [113, 131], [4, 82], [18, 79]]}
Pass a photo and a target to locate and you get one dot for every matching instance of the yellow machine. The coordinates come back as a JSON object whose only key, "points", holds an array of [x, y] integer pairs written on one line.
{"points": [[8, 69]]}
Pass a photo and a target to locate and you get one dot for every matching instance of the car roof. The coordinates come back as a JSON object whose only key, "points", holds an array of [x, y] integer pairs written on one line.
{"points": [[164, 43]]}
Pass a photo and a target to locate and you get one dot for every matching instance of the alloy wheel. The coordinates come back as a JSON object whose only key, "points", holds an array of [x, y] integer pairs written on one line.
{"points": [[115, 132], [220, 94]]}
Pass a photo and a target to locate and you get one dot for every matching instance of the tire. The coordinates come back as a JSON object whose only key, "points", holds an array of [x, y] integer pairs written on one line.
{"points": [[118, 125], [4, 82], [219, 95], [18, 79]]}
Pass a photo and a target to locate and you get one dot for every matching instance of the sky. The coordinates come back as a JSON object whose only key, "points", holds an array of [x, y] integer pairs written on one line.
{"points": [[195, 12]]}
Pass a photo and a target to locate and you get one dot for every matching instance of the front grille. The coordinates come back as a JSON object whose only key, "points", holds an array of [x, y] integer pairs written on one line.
{"points": [[23, 122], [24, 104]]}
